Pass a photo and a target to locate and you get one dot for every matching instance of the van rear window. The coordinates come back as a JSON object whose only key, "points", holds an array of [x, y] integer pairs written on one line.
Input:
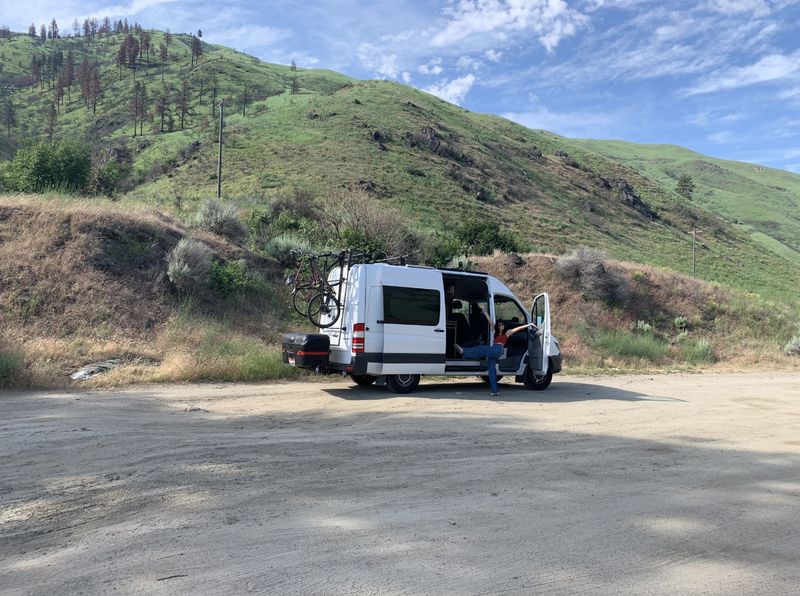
{"points": [[411, 306]]}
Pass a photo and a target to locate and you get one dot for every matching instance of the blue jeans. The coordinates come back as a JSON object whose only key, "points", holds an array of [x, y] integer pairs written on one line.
{"points": [[492, 352]]}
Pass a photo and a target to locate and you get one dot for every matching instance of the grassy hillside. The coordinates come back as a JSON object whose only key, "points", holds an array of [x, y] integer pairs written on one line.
{"points": [[434, 161], [765, 200], [83, 280]]}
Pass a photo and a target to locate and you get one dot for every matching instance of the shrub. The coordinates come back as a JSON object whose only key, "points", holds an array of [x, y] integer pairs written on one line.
{"points": [[482, 236], [10, 368], [439, 250], [585, 269], [681, 323], [353, 218], [698, 352], [627, 345], [229, 278], [281, 247], [64, 165], [792, 348], [189, 265], [222, 219], [643, 327], [638, 276]]}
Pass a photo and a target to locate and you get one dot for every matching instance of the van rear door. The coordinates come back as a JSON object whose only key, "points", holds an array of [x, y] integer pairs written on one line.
{"points": [[414, 321], [539, 343]]}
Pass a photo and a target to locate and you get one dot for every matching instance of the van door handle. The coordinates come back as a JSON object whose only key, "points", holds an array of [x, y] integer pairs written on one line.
{"points": [[439, 330]]}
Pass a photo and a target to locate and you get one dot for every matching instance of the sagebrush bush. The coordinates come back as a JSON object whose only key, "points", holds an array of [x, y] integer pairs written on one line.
{"points": [[792, 347], [643, 327], [698, 352], [681, 323], [189, 265], [222, 219], [586, 270], [281, 247]]}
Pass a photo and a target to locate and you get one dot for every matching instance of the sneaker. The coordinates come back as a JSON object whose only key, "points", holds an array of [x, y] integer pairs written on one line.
{"points": [[494, 394]]}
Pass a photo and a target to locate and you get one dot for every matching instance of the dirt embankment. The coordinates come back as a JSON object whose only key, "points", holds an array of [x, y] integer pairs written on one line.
{"points": [[81, 282]]}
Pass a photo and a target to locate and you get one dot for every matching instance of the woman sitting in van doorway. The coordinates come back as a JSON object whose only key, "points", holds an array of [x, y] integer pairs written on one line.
{"points": [[494, 351]]}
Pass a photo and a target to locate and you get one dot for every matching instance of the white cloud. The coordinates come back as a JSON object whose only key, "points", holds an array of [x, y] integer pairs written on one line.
{"points": [[248, 36], [758, 8], [572, 124], [406, 76], [550, 20], [722, 137], [453, 91], [493, 55], [434, 67], [383, 65], [467, 63], [770, 68], [126, 10]]}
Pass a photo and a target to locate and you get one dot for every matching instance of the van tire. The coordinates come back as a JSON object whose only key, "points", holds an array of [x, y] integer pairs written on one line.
{"points": [[363, 380], [536, 383], [402, 383]]}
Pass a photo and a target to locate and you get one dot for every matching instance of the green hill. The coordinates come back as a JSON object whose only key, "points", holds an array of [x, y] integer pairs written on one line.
{"points": [[316, 131], [765, 200]]}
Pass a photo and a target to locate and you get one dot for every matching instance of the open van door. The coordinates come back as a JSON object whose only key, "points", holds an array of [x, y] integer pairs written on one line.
{"points": [[539, 342]]}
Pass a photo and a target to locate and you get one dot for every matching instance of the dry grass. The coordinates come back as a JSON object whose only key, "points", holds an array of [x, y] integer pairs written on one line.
{"points": [[85, 281], [742, 331]]}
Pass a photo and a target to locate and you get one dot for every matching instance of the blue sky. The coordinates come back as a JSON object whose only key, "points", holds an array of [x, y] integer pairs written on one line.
{"points": [[718, 76]]}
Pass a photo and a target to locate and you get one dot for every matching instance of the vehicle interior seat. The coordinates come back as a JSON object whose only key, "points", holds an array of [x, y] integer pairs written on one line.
{"points": [[463, 330]]}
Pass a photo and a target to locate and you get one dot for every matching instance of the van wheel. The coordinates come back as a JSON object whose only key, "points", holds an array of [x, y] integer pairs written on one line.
{"points": [[402, 383], [537, 382], [485, 378], [363, 380]]}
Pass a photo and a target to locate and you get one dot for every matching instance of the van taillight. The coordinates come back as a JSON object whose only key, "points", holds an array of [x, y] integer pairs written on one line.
{"points": [[358, 338]]}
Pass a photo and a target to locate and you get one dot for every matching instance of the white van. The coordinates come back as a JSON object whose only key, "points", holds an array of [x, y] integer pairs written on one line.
{"points": [[397, 323]]}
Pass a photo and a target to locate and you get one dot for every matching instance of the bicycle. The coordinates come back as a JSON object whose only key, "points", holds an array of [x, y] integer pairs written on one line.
{"points": [[317, 298]]}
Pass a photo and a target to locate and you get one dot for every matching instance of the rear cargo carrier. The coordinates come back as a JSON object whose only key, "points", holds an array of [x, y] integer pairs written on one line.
{"points": [[306, 350]]}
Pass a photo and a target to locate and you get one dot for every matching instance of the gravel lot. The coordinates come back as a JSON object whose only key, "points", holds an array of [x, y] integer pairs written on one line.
{"points": [[647, 484]]}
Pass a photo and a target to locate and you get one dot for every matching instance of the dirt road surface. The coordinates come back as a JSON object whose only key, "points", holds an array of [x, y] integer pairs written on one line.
{"points": [[652, 485]]}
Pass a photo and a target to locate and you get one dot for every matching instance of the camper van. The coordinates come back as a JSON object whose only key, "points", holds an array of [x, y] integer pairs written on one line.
{"points": [[392, 324]]}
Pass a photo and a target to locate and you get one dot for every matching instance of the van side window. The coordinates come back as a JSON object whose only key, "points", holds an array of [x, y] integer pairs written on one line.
{"points": [[411, 306], [506, 309]]}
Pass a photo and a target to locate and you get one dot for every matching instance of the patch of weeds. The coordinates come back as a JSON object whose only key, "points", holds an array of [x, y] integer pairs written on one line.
{"points": [[681, 323], [698, 352], [628, 345], [229, 278], [11, 366], [792, 347]]}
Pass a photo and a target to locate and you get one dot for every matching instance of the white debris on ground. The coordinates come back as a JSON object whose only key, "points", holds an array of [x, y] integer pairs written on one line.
{"points": [[94, 369]]}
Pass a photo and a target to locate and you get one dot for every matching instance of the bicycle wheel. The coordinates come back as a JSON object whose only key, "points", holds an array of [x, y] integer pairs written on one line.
{"points": [[301, 296], [324, 309]]}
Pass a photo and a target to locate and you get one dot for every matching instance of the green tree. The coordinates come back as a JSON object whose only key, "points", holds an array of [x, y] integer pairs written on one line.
{"points": [[481, 236], [64, 165], [9, 116], [685, 186]]}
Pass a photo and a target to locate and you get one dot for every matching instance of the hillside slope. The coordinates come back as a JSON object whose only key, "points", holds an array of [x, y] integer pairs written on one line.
{"points": [[764, 199], [82, 281], [317, 131]]}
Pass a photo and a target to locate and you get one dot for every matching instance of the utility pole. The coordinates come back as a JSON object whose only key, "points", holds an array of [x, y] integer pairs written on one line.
{"points": [[219, 155], [694, 252]]}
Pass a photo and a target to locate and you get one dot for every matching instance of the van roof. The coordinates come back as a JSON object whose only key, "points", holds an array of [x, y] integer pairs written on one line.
{"points": [[442, 269]]}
